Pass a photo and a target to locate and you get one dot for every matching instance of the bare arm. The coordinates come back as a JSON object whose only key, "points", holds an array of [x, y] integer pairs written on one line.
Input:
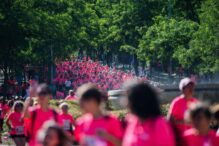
{"points": [[28, 102], [175, 121], [8, 123], [26, 113]]}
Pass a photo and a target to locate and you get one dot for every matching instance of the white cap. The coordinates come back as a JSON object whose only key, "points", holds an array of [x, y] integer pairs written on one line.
{"points": [[184, 82], [64, 104]]}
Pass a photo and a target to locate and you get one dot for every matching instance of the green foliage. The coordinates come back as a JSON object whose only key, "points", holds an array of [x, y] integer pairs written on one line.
{"points": [[189, 38], [76, 112], [30, 29], [185, 32], [166, 38], [205, 43], [188, 9]]}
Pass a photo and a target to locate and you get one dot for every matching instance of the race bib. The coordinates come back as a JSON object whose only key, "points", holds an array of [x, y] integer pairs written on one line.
{"points": [[66, 125], [94, 141], [19, 130]]}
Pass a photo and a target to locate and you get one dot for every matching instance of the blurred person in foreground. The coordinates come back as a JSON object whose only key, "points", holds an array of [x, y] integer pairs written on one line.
{"points": [[200, 135], [39, 114], [145, 124], [95, 127], [66, 120], [215, 110], [52, 135], [27, 120], [179, 106], [16, 124]]}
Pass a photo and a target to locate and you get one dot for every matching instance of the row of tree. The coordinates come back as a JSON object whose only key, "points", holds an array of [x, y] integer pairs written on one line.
{"points": [[174, 33]]}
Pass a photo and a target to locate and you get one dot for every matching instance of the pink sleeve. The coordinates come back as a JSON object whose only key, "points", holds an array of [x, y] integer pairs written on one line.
{"points": [[164, 132], [173, 109], [78, 130], [117, 129], [32, 110]]}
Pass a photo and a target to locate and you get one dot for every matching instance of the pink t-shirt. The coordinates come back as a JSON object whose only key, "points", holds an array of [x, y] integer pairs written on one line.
{"points": [[69, 97], [152, 132], [191, 138], [66, 121], [178, 108], [4, 110], [17, 124], [40, 118], [87, 128]]}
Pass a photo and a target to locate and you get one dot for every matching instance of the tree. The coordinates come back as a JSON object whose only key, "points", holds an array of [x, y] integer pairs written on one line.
{"points": [[12, 36], [30, 30], [163, 40], [204, 47], [128, 19], [187, 9], [37, 32]]}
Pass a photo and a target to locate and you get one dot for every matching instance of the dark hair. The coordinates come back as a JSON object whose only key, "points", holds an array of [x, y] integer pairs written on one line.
{"points": [[43, 89], [89, 91], [11, 103], [70, 91], [215, 111], [143, 100], [63, 139], [199, 108], [216, 115]]}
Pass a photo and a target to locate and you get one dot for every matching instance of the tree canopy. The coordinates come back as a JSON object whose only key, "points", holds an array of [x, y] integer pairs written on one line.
{"points": [[176, 33]]}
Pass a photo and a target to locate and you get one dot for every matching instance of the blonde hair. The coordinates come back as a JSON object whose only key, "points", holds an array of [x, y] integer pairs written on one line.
{"points": [[18, 106], [64, 104]]}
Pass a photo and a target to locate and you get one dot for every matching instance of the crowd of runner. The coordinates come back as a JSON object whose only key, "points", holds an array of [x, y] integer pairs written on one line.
{"points": [[34, 121], [72, 74]]}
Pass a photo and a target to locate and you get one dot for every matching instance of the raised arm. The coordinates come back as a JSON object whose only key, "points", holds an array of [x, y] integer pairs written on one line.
{"points": [[27, 104]]}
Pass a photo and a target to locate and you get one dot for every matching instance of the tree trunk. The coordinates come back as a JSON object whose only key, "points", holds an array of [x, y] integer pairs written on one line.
{"points": [[5, 87], [108, 59], [150, 69], [170, 67], [135, 65]]}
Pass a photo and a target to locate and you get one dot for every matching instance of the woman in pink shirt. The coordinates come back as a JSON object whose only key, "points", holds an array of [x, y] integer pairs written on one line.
{"points": [[70, 95], [39, 114], [65, 119], [16, 124], [200, 135], [145, 124], [96, 128]]}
